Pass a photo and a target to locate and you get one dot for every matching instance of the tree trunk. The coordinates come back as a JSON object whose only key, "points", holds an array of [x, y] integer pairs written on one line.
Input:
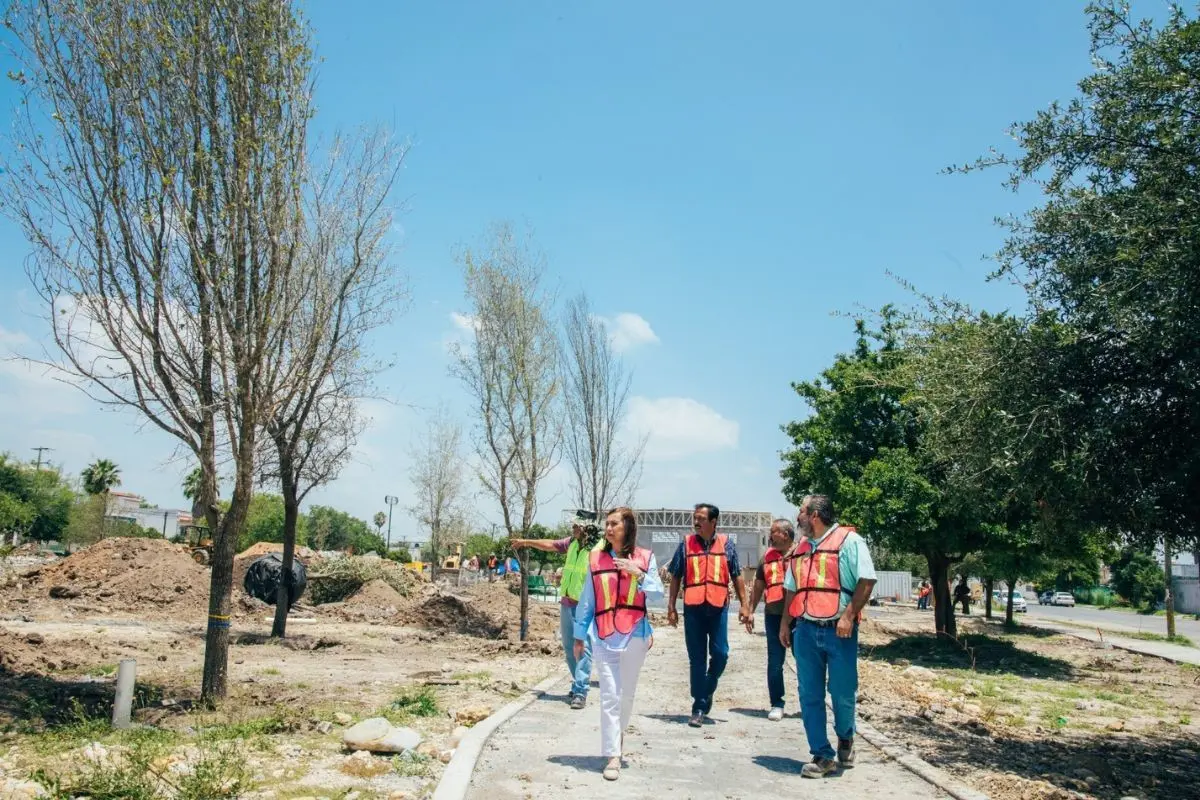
{"points": [[1008, 611], [1170, 595], [943, 606], [988, 583], [291, 516], [521, 560], [214, 685]]}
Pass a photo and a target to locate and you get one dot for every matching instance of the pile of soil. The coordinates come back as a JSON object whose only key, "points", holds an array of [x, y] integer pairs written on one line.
{"points": [[485, 610], [375, 600], [33, 653], [127, 575]]}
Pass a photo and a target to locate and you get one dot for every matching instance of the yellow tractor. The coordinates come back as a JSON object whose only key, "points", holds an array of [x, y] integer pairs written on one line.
{"points": [[453, 561], [198, 540]]}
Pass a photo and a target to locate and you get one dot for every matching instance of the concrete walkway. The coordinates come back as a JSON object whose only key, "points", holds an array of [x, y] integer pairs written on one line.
{"points": [[1179, 653], [548, 748]]}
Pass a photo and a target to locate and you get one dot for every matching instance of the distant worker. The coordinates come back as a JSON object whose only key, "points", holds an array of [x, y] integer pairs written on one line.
{"points": [[492, 564], [585, 536], [621, 578], [827, 587], [923, 596], [768, 586], [705, 563], [962, 594]]}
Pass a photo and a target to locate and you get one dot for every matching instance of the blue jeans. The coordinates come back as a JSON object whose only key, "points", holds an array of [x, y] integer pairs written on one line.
{"points": [[818, 650], [706, 631], [581, 671], [775, 657]]}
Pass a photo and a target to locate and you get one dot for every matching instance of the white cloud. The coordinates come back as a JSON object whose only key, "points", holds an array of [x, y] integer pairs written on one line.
{"points": [[464, 322], [628, 330], [679, 427]]}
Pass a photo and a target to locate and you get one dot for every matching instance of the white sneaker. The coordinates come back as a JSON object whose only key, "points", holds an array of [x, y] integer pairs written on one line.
{"points": [[775, 714]]}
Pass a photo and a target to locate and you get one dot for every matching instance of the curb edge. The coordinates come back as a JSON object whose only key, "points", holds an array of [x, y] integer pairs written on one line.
{"points": [[456, 779]]}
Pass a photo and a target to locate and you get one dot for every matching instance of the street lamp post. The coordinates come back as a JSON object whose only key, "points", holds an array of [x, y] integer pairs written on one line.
{"points": [[391, 501]]}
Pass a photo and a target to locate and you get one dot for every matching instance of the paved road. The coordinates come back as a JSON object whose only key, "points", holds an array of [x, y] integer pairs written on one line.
{"points": [[1116, 619], [548, 749]]}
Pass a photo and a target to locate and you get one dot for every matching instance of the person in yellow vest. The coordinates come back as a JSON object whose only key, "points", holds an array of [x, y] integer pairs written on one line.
{"points": [[768, 586], [705, 563], [826, 589], [612, 613], [585, 536]]}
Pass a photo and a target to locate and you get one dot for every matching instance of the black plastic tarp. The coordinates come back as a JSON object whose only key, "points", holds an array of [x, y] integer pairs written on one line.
{"points": [[265, 574]]}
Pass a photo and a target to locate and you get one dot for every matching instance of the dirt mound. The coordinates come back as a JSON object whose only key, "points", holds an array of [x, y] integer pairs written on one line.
{"points": [[128, 574], [375, 600], [32, 653], [486, 610]]}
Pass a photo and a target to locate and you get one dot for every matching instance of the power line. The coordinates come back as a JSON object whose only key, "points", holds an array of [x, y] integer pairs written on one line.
{"points": [[39, 458]]}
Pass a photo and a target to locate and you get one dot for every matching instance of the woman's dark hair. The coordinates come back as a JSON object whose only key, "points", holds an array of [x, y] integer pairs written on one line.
{"points": [[630, 520]]}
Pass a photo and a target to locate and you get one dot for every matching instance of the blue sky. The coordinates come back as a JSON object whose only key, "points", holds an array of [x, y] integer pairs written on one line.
{"points": [[727, 178]]}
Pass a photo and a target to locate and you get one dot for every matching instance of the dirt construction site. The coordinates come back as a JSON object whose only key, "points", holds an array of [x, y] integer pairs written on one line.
{"points": [[1016, 714]]}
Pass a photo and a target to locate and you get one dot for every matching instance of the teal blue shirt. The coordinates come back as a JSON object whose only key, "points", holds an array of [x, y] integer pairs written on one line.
{"points": [[854, 564]]}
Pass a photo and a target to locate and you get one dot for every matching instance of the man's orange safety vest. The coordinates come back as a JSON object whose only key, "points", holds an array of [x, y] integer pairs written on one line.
{"points": [[620, 603], [818, 579], [774, 569], [706, 577]]}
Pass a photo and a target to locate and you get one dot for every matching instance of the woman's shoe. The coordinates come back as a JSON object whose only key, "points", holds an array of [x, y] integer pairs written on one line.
{"points": [[613, 770]]}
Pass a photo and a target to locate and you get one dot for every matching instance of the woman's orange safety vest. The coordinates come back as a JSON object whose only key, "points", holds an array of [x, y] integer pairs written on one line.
{"points": [[706, 579], [818, 580], [774, 569], [620, 603]]}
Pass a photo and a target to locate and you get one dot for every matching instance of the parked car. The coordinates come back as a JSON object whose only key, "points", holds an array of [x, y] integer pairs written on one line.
{"points": [[1046, 598], [1063, 599], [1001, 599]]}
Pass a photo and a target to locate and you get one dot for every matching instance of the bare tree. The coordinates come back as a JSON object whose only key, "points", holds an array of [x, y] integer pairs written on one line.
{"points": [[159, 163], [439, 479], [510, 369], [348, 289], [595, 396]]}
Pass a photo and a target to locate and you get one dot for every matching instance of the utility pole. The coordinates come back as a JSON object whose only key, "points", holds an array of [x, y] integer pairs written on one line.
{"points": [[391, 501], [39, 458]]}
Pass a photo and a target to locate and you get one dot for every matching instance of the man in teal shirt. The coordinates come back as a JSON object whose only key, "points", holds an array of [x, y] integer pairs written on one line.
{"points": [[585, 535], [825, 638]]}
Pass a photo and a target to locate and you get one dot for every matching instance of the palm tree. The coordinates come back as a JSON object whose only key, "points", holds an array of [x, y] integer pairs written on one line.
{"points": [[99, 478], [380, 518]]}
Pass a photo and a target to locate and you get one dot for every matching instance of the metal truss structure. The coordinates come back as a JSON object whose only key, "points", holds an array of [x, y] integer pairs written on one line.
{"points": [[730, 521], [681, 519]]}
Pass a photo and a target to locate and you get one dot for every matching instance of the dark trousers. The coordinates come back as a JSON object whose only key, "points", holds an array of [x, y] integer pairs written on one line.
{"points": [[775, 657], [706, 631]]}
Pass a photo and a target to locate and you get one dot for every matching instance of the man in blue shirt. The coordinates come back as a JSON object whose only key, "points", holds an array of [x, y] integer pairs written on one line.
{"points": [[705, 604], [826, 589]]}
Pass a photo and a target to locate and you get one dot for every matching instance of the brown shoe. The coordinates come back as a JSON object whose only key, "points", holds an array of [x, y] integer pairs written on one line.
{"points": [[845, 752], [819, 768]]}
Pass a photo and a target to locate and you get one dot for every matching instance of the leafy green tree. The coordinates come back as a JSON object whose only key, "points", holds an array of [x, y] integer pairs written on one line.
{"points": [[34, 503], [1112, 254], [1136, 577], [265, 521], [862, 446], [331, 529]]}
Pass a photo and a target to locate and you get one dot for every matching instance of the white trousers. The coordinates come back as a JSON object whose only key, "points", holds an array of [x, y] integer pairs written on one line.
{"points": [[619, 672]]}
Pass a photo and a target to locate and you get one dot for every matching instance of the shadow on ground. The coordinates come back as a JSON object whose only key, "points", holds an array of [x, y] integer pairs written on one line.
{"points": [[786, 766], [680, 719], [581, 763], [30, 699], [980, 652], [1148, 766]]}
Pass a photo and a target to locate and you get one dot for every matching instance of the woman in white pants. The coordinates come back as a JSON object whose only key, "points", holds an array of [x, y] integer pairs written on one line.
{"points": [[612, 610]]}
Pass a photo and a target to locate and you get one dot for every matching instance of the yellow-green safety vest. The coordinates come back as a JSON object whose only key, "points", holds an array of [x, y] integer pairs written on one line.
{"points": [[575, 569]]}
